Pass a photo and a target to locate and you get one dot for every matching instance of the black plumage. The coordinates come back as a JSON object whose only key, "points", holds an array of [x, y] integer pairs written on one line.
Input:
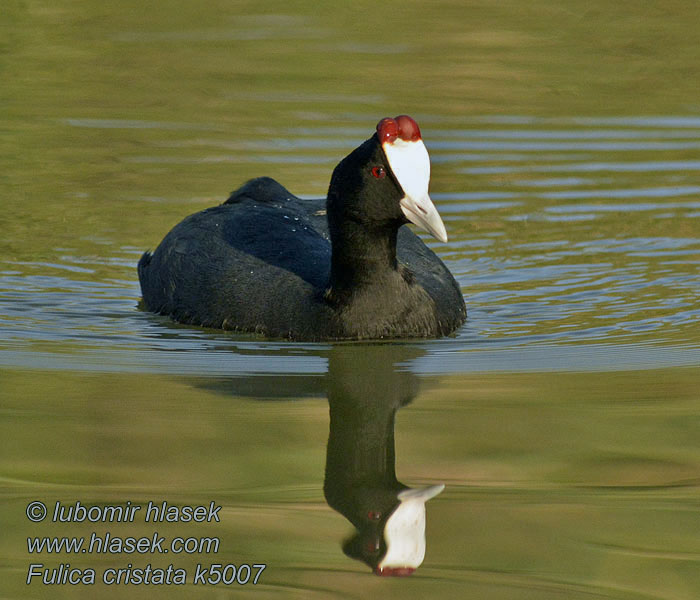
{"points": [[268, 262]]}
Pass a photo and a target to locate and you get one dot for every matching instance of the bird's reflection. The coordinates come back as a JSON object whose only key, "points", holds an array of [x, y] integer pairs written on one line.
{"points": [[365, 386]]}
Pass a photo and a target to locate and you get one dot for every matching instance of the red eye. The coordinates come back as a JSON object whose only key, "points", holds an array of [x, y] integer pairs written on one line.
{"points": [[379, 172]]}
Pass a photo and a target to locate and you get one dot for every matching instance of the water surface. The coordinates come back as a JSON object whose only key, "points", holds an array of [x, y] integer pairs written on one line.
{"points": [[563, 417]]}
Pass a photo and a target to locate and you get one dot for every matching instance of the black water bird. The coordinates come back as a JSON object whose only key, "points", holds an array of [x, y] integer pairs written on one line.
{"points": [[268, 262]]}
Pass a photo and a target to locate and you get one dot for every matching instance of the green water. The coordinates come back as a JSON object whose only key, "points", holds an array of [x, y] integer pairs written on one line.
{"points": [[563, 417]]}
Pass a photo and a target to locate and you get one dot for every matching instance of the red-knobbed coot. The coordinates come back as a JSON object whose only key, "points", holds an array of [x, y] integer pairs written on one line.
{"points": [[268, 262]]}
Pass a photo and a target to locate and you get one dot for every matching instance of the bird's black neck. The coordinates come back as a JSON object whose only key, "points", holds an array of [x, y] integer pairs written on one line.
{"points": [[361, 257]]}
